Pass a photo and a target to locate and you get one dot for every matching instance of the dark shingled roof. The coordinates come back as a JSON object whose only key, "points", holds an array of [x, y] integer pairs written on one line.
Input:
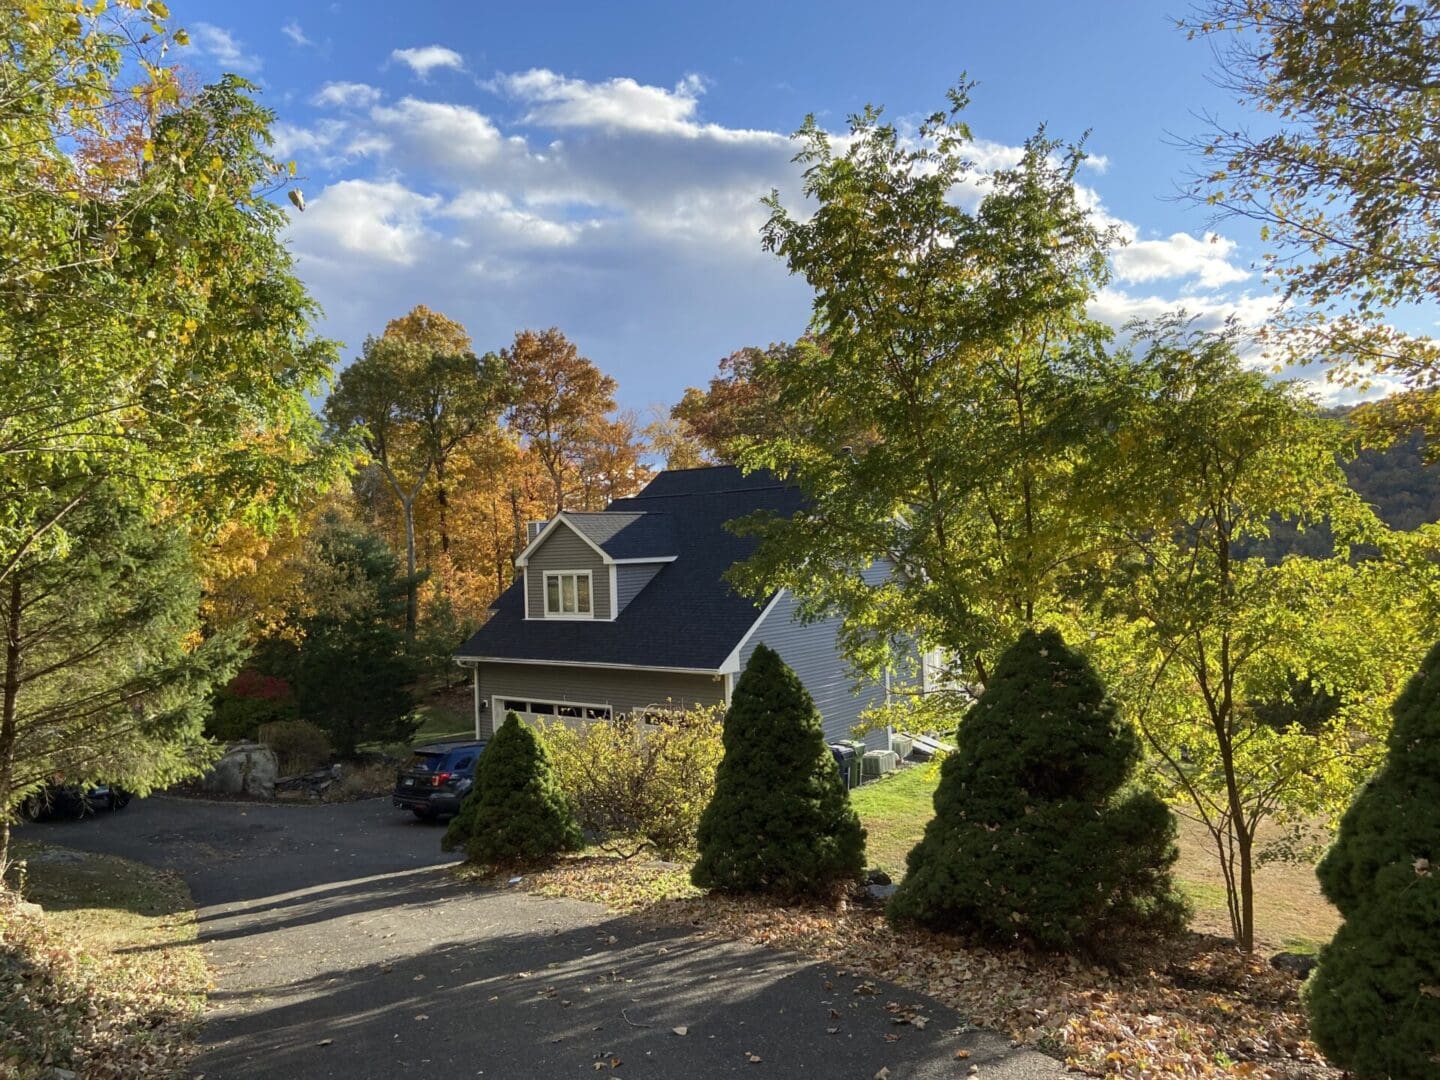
{"points": [[688, 616], [623, 535]]}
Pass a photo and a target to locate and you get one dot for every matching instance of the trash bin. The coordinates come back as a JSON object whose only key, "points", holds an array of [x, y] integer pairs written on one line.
{"points": [[848, 762]]}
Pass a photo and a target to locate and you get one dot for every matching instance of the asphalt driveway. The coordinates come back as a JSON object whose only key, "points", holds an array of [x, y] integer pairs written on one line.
{"points": [[341, 947]]}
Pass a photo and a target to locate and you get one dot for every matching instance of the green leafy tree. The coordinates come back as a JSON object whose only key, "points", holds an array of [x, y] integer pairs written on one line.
{"points": [[1208, 634], [515, 815], [156, 348], [347, 657], [780, 821], [1037, 834], [1343, 177], [105, 676], [1374, 1002], [944, 387]]}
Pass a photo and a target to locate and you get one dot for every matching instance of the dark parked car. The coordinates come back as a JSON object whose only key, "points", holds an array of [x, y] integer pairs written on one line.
{"points": [[69, 801], [436, 778]]}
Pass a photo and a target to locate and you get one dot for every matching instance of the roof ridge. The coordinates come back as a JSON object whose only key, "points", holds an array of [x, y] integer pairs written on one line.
{"points": [[779, 486]]}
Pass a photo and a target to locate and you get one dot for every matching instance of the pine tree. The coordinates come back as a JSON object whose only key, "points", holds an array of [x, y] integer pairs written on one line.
{"points": [[780, 821], [1036, 836], [1374, 1000], [515, 815]]}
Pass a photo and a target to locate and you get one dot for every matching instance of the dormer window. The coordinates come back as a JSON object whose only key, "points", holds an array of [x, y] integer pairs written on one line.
{"points": [[567, 594]]}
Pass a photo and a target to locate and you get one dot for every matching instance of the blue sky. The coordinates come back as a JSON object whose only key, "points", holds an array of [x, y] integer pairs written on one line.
{"points": [[598, 167]]}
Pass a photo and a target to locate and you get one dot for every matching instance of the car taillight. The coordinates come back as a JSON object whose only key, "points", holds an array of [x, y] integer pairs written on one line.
{"points": [[439, 779]]}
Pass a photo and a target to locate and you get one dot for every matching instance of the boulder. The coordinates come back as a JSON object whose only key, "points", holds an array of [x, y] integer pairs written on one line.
{"points": [[246, 769], [1298, 964]]}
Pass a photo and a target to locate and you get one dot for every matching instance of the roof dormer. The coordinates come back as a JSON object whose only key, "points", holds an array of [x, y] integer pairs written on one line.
{"points": [[588, 566]]}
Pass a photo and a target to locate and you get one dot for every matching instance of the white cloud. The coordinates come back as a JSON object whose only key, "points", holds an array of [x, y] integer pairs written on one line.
{"points": [[380, 220], [1180, 255], [295, 33], [424, 59], [352, 95], [493, 217], [224, 48], [288, 139], [615, 104], [451, 137]]}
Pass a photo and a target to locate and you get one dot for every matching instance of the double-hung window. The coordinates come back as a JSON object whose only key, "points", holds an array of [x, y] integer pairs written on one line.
{"points": [[567, 594]]}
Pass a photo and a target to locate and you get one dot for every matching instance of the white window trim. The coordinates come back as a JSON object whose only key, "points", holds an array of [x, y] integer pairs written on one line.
{"points": [[573, 616]]}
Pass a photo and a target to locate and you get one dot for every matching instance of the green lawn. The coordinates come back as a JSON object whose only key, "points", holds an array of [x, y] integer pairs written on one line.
{"points": [[442, 722], [1290, 913]]}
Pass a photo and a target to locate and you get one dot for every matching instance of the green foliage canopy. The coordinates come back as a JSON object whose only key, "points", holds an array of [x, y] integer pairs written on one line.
{"points": [[941, 388]]}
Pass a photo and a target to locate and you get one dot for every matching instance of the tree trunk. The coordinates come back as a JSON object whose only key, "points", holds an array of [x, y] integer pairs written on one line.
{"points": [[412, 594], [442, 500], [8, 715]]}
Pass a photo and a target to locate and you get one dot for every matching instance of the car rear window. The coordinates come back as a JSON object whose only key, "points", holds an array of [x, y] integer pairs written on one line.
{"points": [[424, 762], [463, 762]]}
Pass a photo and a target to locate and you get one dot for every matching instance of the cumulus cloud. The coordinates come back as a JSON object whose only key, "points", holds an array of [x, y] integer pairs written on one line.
{"points": [[1180, 255], [295, 33], [424, 59], [451, 138], [615, 104], [605, 205], [224, 48], [381, 221], [346, 95]]}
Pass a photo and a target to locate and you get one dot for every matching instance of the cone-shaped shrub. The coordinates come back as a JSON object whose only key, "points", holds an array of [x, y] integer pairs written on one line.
{"points": [[1374, 1001], [515, 815], [1037, 835], [780, 821]]}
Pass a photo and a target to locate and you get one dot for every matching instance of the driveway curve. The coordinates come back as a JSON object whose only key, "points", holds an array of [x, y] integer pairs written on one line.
{"points": [[340, 947]]}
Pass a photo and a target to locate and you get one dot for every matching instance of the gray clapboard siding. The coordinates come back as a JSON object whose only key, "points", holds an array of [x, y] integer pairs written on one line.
{"points": [[812, 651], [564, 550], [623, 689], [630, 579]]}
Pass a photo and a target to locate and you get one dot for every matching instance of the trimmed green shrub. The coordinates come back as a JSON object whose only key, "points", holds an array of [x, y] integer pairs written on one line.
{"points": [[515, 814], [298, 744], [1038, 835], [639, 787], [1374, 999], [780, 821]]}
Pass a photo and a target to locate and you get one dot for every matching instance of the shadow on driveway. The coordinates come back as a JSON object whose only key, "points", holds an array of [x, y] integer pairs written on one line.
{"points": [[342, 947]]}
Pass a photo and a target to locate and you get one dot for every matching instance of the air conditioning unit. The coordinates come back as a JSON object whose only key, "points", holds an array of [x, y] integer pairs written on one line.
{"points": [[901, 744], [880, 762]]}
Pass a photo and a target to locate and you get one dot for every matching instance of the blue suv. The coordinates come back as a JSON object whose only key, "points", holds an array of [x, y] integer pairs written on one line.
{"points": [[436, 778]]}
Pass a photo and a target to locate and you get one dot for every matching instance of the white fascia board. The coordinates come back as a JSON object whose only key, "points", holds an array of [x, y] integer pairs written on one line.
{"points": [[559, 519], [714, 672], [732, 662]]}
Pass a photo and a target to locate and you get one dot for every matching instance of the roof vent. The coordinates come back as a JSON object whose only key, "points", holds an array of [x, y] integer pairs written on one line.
{"points": [[533, 529]]}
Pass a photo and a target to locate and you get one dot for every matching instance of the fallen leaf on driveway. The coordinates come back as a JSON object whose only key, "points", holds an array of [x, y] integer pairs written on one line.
{"points": [[325, 1042], [883, 1074], [422, 1016], [681, 1030], [752, 1057]]}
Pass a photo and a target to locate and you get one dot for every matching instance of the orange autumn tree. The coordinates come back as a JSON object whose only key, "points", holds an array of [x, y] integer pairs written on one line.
{"points": [[561, 413]]}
